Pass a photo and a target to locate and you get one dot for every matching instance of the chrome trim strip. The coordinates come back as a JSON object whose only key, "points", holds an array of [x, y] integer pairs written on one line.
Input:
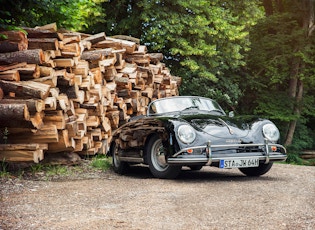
{"points": [[205, 159], [131, 159], [266, 145]]}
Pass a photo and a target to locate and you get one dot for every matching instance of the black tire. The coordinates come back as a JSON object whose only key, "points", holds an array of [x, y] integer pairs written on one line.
{"points": [[119, 167], [195, 167], [257, 171], [156, 160]]}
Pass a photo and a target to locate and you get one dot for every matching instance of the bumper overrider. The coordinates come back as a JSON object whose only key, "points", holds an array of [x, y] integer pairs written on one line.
{"points": [[269, 152]]}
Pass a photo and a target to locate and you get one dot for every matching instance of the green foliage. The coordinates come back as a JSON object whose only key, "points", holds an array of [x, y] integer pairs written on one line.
{"points": [[226, 93], [69, 14], [303, 138], [282, 50], [206, 39], [294, 158]]}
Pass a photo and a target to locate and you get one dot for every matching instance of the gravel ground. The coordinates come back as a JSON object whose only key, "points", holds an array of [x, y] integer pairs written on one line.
{"points": [[208, 199]]}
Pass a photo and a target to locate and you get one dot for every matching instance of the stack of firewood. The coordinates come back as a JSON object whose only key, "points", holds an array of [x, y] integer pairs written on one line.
{"points": [[64, 91]]}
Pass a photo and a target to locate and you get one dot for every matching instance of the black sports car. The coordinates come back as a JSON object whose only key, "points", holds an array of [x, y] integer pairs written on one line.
{"points": [[195, 131]]}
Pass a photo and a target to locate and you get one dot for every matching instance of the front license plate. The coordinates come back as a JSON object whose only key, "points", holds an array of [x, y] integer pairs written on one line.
{"points": [[239, 163]]}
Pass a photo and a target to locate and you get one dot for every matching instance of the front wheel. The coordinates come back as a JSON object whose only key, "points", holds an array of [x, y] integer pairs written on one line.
{"points": [[158, 166], [257, 171]]}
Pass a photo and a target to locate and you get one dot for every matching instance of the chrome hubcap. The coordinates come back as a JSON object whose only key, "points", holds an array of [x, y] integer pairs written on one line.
{"points": [[158, 156]]}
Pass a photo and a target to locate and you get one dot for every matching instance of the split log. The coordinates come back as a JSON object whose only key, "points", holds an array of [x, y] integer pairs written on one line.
{"points": [[12, 66], [17, 115], [155, 57], [43, 43], [35, 56], [96, 38], [138, 59], [56, 117], [65, 144], [22, 152], [128, 38], [29, 72], [110, 73], [120, 44], [50, 103], [71, 50], [15, 41], [96, 54], [64, 62], [33, 105], [26, 89], [10, 75], [50, 27], [71, 38], [40, 33], [46, 71], [11, 112], [49, 80], [43, 135], [81, 68]]}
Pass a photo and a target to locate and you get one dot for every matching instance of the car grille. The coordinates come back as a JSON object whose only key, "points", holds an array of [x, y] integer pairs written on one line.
{"points": [[248, 149]]}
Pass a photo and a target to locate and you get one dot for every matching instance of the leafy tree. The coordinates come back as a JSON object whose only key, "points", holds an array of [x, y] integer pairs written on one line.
{"points": [[202, 41], [281, 63], [69, 14]]}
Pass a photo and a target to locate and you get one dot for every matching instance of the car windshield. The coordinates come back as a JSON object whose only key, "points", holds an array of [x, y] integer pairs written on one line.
{"points": [[178, 104]]}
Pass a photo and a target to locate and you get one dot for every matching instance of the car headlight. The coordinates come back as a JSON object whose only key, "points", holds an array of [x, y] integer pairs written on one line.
{"points": [[186, 134], [271, 132]]}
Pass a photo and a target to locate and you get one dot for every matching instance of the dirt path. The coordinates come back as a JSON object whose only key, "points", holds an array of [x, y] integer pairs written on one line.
{"points": [[208, 199]]}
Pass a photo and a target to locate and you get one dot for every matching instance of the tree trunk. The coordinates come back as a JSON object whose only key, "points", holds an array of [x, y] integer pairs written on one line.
{"points": [[296, 112]]}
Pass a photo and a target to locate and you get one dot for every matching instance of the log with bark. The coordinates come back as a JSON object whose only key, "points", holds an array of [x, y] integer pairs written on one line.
{"points": [[26, 89], [35, 56], [11, 41]]}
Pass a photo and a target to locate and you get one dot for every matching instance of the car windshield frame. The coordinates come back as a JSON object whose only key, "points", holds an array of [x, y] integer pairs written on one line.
{"points": [[183, 103]]}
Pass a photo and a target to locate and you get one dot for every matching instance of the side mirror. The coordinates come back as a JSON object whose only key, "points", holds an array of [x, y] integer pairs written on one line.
{"points": [[231, 114]]}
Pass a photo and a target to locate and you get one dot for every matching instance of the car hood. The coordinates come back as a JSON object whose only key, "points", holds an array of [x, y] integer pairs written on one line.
{"points": [[220, 126]]}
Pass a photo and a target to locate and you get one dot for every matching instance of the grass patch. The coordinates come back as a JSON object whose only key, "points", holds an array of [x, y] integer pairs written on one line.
{"points": [[101, 162], [57, 170], [4, 169], [86, 169]]}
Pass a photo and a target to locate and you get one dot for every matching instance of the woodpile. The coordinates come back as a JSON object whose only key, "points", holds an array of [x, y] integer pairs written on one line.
{"points": [[64, 91]]}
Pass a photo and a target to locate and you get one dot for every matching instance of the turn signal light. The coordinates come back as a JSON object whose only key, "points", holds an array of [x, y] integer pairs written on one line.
{"points": [[190, 151], [274, 148]]}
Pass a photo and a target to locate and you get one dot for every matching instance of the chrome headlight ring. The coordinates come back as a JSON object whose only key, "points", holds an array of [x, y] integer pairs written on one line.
{"points": [[186, 134], [271, 132]]}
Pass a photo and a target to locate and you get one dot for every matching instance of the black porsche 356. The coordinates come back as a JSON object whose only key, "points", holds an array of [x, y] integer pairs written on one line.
{"points": [[195, 132]]}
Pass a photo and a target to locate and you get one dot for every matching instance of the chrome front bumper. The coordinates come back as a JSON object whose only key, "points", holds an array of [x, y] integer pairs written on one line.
{"points": [[208, 157]]}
